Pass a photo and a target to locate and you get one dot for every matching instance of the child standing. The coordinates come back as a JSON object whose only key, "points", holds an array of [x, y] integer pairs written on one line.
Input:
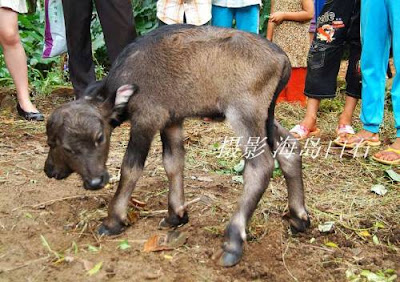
{"points": [[380, 27], [338, 23], [288, 27]]}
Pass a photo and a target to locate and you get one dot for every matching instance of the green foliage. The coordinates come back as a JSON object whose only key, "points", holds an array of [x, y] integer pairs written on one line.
{"points": [[145, 15], [264, 16], [46, 74]]}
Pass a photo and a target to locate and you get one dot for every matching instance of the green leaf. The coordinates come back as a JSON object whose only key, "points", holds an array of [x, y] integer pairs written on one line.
{"points": [[371, 276], [238, 179], [95, 269], [47, 246], [239, 167], [375, 240], [92, 249], [393, 175], [331, 244], [45, 243], [123, 245], [75, 247]]}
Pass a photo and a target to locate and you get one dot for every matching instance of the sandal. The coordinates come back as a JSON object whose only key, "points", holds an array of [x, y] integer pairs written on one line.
{"points": [[304, 133], [358, 142], [387, 162], [342, 131]]}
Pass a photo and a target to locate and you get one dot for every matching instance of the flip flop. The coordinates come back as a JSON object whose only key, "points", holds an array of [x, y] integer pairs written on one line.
{"points": [[343, 130], [389, 149], [359, 142], [303, 132]]}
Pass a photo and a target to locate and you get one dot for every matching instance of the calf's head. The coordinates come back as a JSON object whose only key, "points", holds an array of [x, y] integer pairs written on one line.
{"points": [[78, 134]]}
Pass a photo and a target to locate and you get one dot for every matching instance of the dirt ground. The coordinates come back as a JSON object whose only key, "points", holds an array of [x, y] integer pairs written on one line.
{"points": [[48, 227]]}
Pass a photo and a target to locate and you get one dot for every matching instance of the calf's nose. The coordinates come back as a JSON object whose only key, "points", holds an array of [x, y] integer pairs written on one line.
{"points": [[97, 182]]}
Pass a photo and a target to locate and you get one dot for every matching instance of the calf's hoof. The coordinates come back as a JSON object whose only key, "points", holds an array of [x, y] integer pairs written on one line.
{"points": [[229, 255], [115, 228], [232, 249], [299, 224], [173, 220]]}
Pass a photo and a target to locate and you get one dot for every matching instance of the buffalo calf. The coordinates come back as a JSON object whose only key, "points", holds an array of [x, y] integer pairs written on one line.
{"points": [[162, 78]]}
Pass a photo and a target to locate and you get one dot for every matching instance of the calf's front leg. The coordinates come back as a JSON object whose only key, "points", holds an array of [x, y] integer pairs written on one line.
{"points": [[132, 168]]}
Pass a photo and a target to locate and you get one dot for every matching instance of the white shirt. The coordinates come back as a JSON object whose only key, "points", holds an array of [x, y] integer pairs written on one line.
{"points": [[196, 12]]}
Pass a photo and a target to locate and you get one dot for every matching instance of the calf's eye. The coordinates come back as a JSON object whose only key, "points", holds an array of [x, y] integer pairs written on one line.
{"points": [[68, 150], [100, 139]]}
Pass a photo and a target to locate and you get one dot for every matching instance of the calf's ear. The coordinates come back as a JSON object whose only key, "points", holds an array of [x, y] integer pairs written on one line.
{"points": [[120, 109], [123, 95], [95, 91], [54, 128]]}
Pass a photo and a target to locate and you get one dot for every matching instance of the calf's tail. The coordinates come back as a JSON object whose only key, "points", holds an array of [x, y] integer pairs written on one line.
{"points": [[269, 125]]}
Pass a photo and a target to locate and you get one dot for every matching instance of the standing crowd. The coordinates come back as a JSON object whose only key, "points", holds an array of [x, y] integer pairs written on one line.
{"points": [[330, 25]]}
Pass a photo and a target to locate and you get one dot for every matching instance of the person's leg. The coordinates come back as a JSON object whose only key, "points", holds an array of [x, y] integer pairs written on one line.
{"points": [[116, 17], [221, 16], [346, 116], [321, 77], [393, 8], [310, 119], [353, 88], [77, 16], [15, 58], [308, 126], [248, 18], [374, 60]]}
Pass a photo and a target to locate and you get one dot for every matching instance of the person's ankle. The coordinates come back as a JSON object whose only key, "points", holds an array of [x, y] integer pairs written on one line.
{"points": [[367, 133], [27, 106], [345, 119], [309, 122]]}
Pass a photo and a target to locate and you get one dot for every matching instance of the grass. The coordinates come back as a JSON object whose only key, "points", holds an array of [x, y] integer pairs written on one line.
{"points": [[337, 189]]}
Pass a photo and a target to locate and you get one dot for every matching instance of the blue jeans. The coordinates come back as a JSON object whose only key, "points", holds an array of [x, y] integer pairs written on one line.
{"points": [[247, 18]]}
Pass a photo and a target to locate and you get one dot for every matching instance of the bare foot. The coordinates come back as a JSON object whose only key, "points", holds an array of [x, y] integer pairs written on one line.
{"points": [[28, 107], [361, 139], [361, 135], [388, 154]]}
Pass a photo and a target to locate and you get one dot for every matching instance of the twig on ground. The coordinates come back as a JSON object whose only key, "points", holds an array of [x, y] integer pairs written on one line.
{"points": [[283, 259], [23, 168], [50, 202], [24, 265]]}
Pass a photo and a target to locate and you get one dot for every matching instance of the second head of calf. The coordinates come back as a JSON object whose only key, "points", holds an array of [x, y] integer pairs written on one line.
{"points": [[78, 134]]}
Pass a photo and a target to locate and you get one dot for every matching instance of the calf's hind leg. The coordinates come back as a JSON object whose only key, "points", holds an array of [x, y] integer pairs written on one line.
{"points": [[257, 173], [289, 158], [132, 168], [173, 159]]}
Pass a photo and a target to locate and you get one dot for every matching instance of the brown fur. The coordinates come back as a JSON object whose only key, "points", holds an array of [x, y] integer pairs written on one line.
{"points": [[173, 73]]}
